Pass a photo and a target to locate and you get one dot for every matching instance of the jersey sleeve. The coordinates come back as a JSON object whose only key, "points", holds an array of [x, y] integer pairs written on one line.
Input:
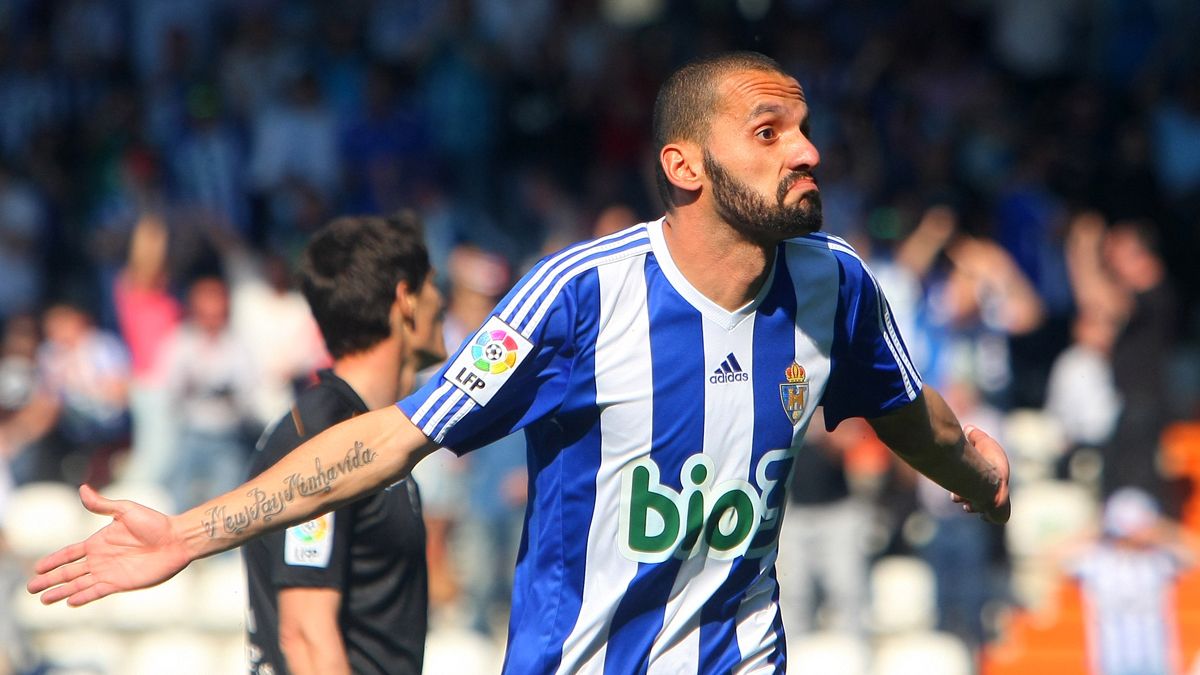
{"points": [[509, 373], [871, 372], [314, 554]]}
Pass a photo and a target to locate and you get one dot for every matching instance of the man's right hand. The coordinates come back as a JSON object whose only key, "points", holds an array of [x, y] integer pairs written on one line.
{"points": [[138, 549]]}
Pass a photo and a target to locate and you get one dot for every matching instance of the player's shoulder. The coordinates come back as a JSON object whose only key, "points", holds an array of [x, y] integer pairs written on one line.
{"points": [[546, 283], [827, 244], [315, 409], [591, 253], [831, 247]]}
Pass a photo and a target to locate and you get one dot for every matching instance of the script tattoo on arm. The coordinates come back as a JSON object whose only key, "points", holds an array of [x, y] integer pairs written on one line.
{"points": [[265, 506]]}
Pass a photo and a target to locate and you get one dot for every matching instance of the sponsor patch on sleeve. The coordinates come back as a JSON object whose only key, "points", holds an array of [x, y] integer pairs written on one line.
{"points": [[309, 544], [488, 360]]}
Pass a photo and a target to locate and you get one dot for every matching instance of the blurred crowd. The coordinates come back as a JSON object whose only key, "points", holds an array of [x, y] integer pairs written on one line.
{"points": [[1022, 175]]}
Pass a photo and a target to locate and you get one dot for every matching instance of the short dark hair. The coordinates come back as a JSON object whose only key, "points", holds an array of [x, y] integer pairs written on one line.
{"points": [[349, 271], [687, 99]]}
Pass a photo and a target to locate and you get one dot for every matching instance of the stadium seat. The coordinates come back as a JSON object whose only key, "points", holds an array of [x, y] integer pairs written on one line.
{"points": [[32, 615], [827, 653], [89, 650], [171, 603], [220, 594], [173, 651], [923, 653], [903, 595], [1034, 441], [42, 518], [1046, 513], [456, 650]]}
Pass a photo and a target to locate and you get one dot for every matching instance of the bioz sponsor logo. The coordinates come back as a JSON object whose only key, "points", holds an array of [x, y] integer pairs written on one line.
{"points": [[725, 520]]}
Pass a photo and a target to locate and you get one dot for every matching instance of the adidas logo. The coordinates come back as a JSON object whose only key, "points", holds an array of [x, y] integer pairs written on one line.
{"points": [[729, 371]]}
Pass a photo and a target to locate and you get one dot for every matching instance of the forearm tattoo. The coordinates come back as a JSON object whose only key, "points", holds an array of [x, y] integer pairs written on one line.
{"points": [[265, 506]]}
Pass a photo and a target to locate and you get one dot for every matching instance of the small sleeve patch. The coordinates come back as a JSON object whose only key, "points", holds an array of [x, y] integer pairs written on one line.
{"points": [[489, 360], [309, 544]]}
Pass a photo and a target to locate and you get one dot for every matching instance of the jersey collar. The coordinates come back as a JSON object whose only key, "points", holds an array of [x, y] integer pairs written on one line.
{"points": [[707, 308]]}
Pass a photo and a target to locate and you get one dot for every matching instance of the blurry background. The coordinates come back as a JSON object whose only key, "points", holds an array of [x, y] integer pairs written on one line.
{"points": [[1023, 175]]}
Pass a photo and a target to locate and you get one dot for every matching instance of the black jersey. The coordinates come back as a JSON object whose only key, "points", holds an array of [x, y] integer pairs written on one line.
{"points": [[372, 550]]}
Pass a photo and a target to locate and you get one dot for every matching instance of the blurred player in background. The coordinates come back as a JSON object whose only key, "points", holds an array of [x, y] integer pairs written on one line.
{"points": [[347, 592], [1127, 575]]}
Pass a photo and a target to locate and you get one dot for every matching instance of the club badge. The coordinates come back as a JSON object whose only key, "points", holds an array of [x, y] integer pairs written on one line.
{"points": [[794, 394]]}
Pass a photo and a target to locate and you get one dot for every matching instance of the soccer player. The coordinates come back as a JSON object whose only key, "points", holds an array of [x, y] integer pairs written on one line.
{"points": [[664, 376], [346, 592]]}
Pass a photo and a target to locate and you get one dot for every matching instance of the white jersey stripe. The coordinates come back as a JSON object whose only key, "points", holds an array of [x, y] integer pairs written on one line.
{"points": [[622, 362]]}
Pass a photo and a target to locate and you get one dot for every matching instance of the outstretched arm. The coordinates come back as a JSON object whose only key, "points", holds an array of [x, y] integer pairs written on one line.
{"points": [[972, 466], [143, 547]]}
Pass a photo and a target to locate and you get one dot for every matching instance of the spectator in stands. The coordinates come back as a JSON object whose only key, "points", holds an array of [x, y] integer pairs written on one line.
{"points": [[823, 542], [148, 315], [84, 372], [1081, 394], [22, 227], [210, 382], [18, 403], [1119, 272], [271, 318]]}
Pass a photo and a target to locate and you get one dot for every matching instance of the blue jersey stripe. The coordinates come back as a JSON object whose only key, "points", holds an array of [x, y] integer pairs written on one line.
{"points": [[677, 359], [773, 351], [564, 458], [778, 656]]}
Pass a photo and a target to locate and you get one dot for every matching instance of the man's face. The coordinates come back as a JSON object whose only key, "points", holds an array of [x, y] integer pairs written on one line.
{"points": [[758, 158], [208, 302], [428, 346]]}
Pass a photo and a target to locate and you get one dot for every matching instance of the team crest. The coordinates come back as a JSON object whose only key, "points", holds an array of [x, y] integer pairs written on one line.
{"points": [[794, 394]]}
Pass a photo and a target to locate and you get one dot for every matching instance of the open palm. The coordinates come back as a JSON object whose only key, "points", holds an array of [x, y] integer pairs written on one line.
{"points": [[138, 549]]}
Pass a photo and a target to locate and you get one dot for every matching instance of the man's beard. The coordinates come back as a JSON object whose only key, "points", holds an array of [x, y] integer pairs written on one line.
{"points": [[750, 212]]}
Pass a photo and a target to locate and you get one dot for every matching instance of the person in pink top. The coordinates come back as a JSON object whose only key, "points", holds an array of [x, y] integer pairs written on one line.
{"points": [[147, 315]]}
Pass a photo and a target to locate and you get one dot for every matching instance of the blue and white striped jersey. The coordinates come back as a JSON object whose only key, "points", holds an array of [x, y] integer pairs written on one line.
{"points": [[1127, 595], [661, 432]]}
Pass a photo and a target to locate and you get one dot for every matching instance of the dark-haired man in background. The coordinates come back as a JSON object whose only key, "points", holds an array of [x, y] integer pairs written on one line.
{"points": [[346, 592]]}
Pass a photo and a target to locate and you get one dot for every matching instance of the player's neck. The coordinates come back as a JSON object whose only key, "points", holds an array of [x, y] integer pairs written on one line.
{"points": [[373, 374], [717, 260]]}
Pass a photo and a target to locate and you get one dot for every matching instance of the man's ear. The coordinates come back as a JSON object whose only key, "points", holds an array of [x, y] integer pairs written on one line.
{"points": [[405, 301], [681, 162]]}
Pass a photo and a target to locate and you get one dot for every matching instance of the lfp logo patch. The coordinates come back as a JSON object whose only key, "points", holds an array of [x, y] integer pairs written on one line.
{"points": [[494, 352], [488, 360], [309, 544]]}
